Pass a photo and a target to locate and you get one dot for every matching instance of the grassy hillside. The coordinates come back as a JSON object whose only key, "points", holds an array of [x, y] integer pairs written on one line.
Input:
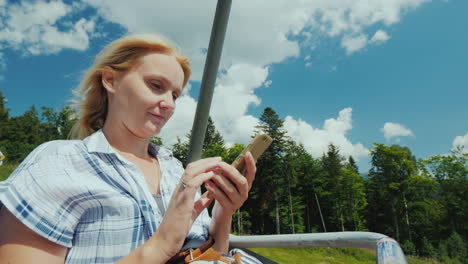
{"points": [[326, 256]]}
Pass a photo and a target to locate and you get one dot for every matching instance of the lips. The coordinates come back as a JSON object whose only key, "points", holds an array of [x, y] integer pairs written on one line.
{"points": [[159, 117]]}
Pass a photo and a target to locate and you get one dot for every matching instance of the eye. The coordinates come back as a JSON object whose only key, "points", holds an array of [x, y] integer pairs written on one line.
{"points": [[175, 96], [156, 85]]}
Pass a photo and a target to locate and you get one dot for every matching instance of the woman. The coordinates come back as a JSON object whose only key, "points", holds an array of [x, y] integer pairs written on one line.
{"points": [[91, 200]]}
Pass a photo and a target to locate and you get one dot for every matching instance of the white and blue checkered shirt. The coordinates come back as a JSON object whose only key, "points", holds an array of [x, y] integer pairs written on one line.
{"points": [[85, 196]]}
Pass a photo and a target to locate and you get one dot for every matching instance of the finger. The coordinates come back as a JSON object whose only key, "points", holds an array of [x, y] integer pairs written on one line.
{"points": [[251, 168], [197, 181], [226, 186], [200, 205], [235, 177], [218, 194], [201, 166]]}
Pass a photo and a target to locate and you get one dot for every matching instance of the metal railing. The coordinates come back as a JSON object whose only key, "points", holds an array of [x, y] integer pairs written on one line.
{"points": [[387, 249]]}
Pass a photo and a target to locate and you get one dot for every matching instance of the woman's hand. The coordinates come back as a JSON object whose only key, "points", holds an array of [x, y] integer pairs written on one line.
{"points": [[230, 190], [183, 210]]}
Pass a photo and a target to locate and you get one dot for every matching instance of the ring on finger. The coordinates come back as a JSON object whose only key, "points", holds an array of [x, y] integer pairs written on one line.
{"points": [[184, 185]]}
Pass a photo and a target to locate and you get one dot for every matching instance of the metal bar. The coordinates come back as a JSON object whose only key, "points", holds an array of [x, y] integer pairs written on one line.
{"points": [[213, 57], [315, 240]]}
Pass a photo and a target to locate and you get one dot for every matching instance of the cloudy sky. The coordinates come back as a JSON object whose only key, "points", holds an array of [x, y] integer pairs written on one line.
{"points": [[348, 72]]}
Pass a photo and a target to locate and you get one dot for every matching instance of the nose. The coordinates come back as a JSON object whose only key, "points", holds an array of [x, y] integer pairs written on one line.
{"points": [[167, 101]]}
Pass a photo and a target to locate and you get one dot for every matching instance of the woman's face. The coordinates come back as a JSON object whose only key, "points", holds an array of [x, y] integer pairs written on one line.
{"points": [[142, 99]]}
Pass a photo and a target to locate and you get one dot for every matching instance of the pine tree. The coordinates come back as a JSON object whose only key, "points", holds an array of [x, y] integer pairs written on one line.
{"points": [[332, 196], [295, 163], [352, 164], [269, 185], [212, 135], [391, 168], [353, 202], [213, 144]]}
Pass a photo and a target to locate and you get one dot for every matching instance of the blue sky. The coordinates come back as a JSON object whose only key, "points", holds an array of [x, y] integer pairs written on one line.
{"points": [[344, 72]]}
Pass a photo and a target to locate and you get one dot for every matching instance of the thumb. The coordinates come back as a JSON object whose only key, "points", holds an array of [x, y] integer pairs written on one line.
{"points": [[200, 205]]}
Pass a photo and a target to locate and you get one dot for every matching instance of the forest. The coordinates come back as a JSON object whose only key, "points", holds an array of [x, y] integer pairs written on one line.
{"points": [[422, 203]]}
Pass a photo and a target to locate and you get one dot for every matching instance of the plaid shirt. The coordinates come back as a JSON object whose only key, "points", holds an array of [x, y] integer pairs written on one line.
{"points": [[85, 196]]}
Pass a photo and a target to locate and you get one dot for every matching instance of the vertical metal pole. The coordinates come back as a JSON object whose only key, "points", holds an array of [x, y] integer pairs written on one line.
{"points": [[213, 57]]}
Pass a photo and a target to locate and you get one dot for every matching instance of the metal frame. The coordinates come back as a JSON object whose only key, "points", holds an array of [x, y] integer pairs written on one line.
{"points": [[387, 249]]}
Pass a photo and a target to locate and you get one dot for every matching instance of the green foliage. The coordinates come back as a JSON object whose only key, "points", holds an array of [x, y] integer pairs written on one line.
{"points": [[241, 223], [351, 164], [19, 135], [392, 166], [213, 144], [353, 202], [233, 152], [180, 151], [214, 150], [156, 140], [6, 169], [408, 248], [212, 135], [334, 191], [451, 173], [456, 248], [455, 255], [427, 250]]}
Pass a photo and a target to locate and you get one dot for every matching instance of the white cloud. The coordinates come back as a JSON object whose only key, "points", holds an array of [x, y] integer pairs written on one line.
{"points": [[354, 43], [461, 141], [181, 122], [43, 28], [308, 62], [258, 33], [334, 131], [233, 96], [380, 37], [395, 130]]}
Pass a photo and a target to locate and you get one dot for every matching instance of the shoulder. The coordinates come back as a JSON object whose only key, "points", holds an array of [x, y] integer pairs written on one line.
{"points": [[165, 154], [53, 149], [169, 163], [48, 159]]}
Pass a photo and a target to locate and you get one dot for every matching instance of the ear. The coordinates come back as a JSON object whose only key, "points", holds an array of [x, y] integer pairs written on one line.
{"points": [[108, 80]]}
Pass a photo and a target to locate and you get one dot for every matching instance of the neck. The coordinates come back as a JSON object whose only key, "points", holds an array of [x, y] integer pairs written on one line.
{"points": [[126, 142]]}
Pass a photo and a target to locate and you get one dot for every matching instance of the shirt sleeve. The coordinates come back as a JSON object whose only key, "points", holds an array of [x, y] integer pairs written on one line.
{"points": [[42, 195]]}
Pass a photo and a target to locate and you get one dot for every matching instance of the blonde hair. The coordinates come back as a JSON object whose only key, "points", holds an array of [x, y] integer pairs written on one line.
{"points": [[118, 56]]}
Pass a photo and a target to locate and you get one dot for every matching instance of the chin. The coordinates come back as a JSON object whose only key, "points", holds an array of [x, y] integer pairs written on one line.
{"points": [[152, 131]]}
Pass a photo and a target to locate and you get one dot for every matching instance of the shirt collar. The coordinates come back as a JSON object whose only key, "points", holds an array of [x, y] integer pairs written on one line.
{"points": [[97, 142]]}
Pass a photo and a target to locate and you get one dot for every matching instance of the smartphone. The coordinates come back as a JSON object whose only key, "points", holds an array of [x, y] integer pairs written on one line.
{"points": [[257, 146]]}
